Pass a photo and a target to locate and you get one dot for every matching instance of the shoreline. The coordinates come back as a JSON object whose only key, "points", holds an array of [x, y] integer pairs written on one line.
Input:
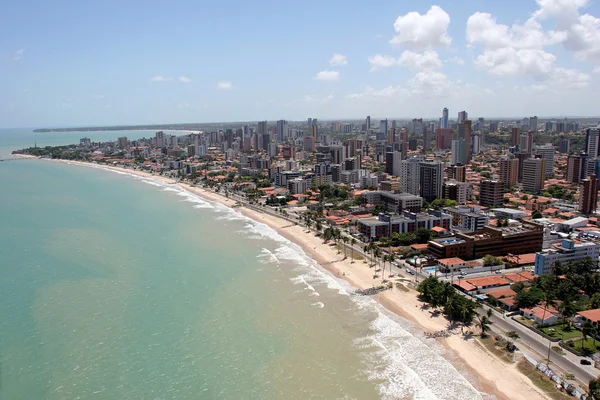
{"points": [[492, 376]]}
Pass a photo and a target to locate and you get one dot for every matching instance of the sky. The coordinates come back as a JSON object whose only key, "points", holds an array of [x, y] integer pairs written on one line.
{"points": [[86, 63]]}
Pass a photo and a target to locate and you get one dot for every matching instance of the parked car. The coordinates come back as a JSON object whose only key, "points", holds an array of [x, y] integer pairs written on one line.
{"points": [[585, 362]]}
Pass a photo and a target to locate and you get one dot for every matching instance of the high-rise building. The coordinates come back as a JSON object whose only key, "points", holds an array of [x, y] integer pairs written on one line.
{"points": [[123, 142], [160, 139], [509, 172], [462, 117], [588, 195], [491, 193], [431, 173], [534, 175], [523, 143], [282, 130], [455, 190], [262, 128], [393, 160], [455, 152], [410, 175], [383, 126], [521, 156], [547, 153], [564, 145], [464, 132], [515, 133], [427, 138], [391, 136], [530, 142], [592, 141], [444, 122], [444, 138], [493, 126], [533, 124], [368, 123], [458, 172], [576, 167]]}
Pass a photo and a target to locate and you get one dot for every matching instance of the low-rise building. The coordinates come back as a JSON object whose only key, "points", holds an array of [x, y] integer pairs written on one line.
{"points": [[468, 219], [395, 202], [517, 239], [452, 264], [509, 213], [566, 251], [408, 222]]}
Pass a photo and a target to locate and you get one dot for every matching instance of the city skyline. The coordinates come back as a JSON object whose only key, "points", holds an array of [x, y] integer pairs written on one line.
{"points": [[91, 66]]}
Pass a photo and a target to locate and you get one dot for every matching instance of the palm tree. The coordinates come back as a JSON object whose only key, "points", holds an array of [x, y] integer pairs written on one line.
{"points": [[345, 240], [391, 259], [352, 243], [484, 323]]}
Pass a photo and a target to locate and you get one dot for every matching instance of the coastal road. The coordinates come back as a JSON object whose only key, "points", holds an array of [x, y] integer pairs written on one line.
{"points": [[530, 340]]}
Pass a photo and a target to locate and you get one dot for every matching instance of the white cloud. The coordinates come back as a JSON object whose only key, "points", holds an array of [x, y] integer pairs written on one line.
{"points": [[224, 85], [18, 54], [185, 79], [378, 61], [66, 105], [483, 28], [423, 31], [316, 99], [569, 78], [430, 83], [371, 93], [457, 60], [510, 61], [427, 60], [338, 59], [160, 78], [97, 96], [327, 76]]}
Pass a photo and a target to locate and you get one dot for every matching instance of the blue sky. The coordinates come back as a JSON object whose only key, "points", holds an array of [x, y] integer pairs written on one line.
{"points": [[67, 63]]}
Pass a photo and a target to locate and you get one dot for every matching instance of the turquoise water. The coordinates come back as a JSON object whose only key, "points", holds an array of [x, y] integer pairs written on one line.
{"points": [[117, 287]]}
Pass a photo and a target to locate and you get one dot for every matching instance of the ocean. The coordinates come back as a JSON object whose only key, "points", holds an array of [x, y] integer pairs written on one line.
{"points": [[114, 286]]}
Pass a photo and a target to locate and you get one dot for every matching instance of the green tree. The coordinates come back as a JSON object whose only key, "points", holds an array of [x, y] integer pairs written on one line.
{"points": [[594, 389], [484, 323], [536, 214], [529, 298], [489, 260], [424, 235]]}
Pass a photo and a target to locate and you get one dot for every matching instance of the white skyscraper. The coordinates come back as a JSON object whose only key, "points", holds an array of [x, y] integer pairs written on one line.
{"points": [[547, 153], [462, 116], [409, 175], [444, 121], [454, 157]]}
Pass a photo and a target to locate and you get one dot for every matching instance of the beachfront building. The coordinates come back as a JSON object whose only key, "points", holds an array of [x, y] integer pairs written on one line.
{"points": [[516, 239], [452, 264], [394, 202], [467, 219], [566, 251], [407, 222]]}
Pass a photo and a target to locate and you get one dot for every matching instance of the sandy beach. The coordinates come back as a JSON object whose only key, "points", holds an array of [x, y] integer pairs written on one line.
{"points": [[493, 376]]}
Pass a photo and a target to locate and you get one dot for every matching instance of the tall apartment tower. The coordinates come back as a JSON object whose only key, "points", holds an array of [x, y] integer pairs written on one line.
{"points": [[383, 126], [534, 175], [462, 116], [432, 178], [368, 122], [444, 121], [427, 138], [533, 124], [491, 193], [564, 146], [410, 175], [547, 153], [464, 132], [592, 139], [282, 130], [509, 172], [515, 133], [444, 138], [588, 195], [458, 172], [576, 167]]}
